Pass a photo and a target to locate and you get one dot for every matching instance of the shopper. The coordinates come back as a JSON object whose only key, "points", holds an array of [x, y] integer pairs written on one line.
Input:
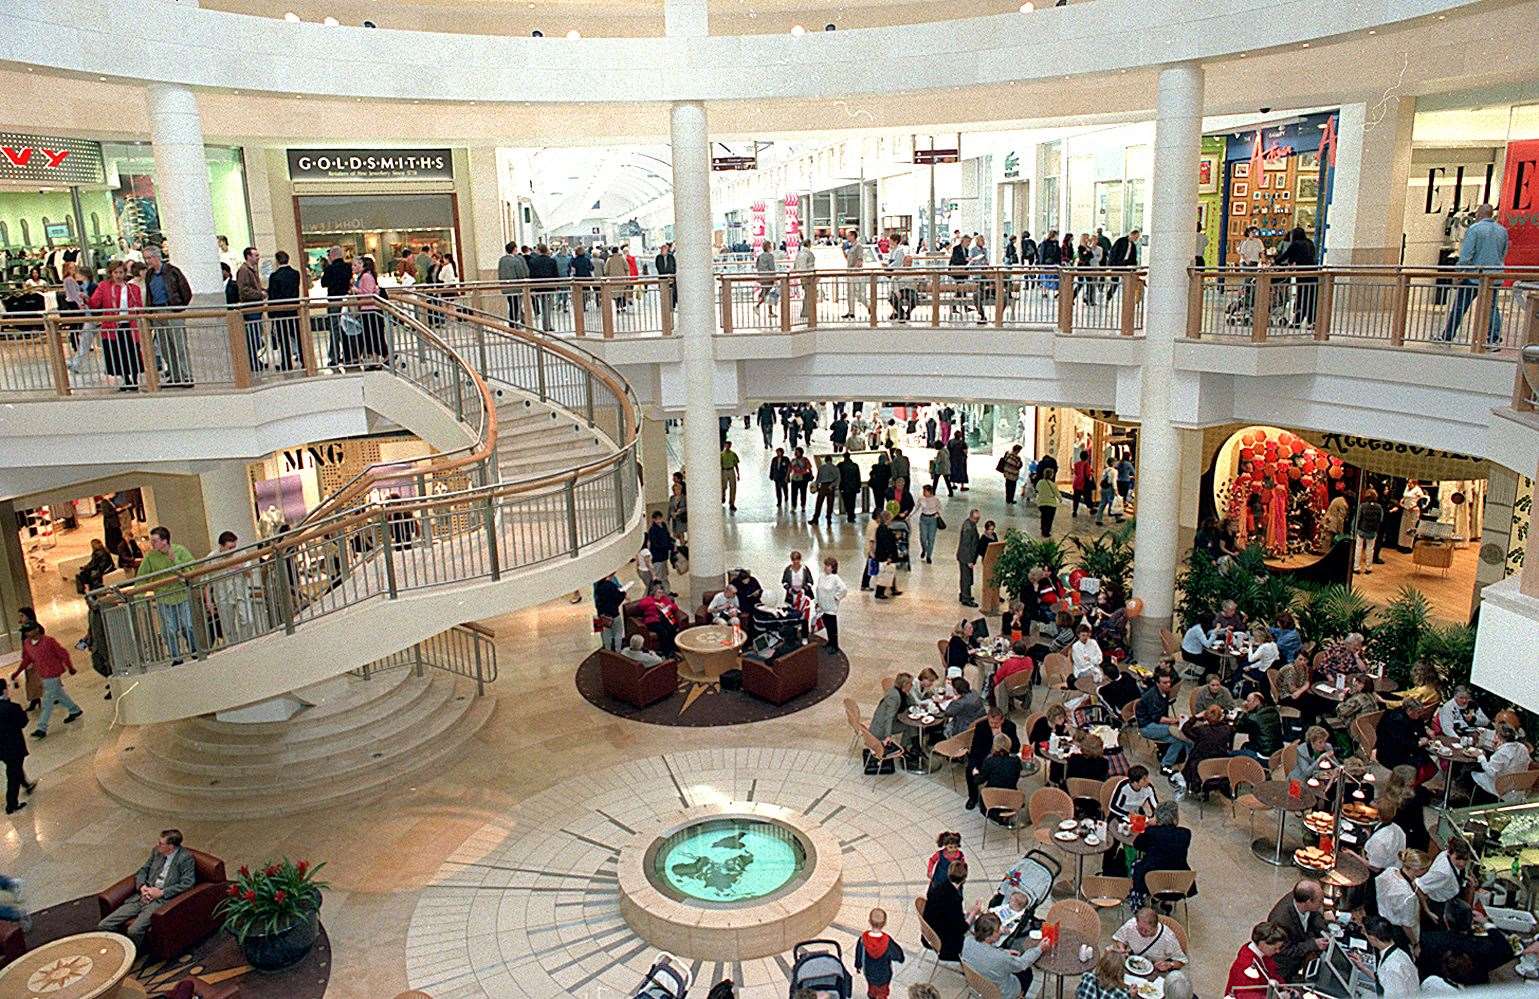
{"points": [[829, 591], [1365, 530], [1010, 465], [512, 269], [1046, 495], [968, 552], [283, 286], [42, 654], [13, 753], [171, 597], [1484, 249], [120, 336]]}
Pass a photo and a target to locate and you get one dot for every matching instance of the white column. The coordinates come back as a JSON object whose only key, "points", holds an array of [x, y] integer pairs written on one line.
{"points": [[654, 464], [181, 185], [1177, 138], [1373, 166], [697, 325], [227, 502], [259, 195]]}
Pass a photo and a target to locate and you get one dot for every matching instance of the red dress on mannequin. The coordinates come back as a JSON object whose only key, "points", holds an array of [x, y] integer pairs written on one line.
{"points": [[1277, 519]]}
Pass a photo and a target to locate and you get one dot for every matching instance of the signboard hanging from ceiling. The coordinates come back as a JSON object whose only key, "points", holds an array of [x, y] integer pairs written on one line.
{"points": [[371, 164], [50, 159]]}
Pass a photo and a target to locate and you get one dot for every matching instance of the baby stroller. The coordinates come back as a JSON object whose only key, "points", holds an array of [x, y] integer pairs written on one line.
{"points": [[900, 528], [666, 979], [814, 966], [1033, 876]]}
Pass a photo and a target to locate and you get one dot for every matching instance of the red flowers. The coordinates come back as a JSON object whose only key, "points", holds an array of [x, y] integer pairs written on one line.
{"points": [[232, 891], [279, 896], [250, 895], [245, 871], [271, 870], [304, 865]]}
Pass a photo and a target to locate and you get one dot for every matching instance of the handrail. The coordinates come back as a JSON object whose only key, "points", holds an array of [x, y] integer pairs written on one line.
{"points": [[466, 649], [389, 547]]}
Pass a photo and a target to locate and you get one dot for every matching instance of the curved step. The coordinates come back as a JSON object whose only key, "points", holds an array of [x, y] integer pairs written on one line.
{"points": [[339, 781], [207, 730]]}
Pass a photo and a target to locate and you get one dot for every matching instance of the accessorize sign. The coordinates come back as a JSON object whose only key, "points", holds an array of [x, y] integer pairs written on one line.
{"points": [[371, 164], [50, 159]]}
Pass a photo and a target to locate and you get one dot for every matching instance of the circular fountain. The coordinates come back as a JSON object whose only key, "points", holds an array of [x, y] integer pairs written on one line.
{"points": [[730, 882]]}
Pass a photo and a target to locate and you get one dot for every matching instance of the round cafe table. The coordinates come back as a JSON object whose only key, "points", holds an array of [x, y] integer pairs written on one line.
{"points": [[1079, 850], [921, 726], [708, 651], [84, 966], [1274, 794], [1063, 960], [1450, 750]]}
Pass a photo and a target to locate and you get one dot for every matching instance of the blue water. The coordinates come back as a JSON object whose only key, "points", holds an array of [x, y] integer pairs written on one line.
{"points": [[730, 860]]}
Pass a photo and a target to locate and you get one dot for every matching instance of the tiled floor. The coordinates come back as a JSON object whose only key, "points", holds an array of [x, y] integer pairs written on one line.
{"points": [[548, 756]]}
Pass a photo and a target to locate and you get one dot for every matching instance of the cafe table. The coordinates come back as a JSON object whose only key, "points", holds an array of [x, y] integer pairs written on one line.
{"points": [[1079, 849], [1064, 960], [1451, 750], [1274, 794], [920, 725]]}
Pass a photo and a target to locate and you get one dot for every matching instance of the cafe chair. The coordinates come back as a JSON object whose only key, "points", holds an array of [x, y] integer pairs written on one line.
{"points": [[852, 715], [1170, 646], [882, 753], [1522, 780], [1049, 801], [1106, 892], [1246, 773], [1212, 775], [955, 750], [942, 644], [1365, 733], [1084, 791], [1016, 687], [1006, 803], [979, 986], [1077, 917], [1056, 670], [1180, 932], [931, 940], [1171, 887], [1104, 796]]}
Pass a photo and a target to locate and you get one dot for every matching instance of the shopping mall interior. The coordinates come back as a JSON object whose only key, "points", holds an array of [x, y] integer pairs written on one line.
{"points": [[574, 500]]}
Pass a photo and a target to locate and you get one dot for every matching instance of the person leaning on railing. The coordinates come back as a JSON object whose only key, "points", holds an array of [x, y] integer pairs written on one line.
{"points": [[171, 596]]}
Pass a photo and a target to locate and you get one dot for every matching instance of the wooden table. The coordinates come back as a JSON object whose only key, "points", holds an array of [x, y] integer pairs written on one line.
{"points": [[1064, 960], [1450, 750], [920, 725], [84, 966], [1079, 850], [708, 651], [1274, 794]]}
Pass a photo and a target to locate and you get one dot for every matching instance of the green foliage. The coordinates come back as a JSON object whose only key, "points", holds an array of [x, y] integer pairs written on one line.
{"points": [[1451, 650], [1396, 637], [1108, 557], [1329, 612], [1015, 561], [271, 898]]}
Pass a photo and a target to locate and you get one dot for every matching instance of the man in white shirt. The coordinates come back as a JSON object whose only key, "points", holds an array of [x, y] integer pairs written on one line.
{"points": [[829, 591], [1445, 877], [1086, 657], [1508, 757], [723, 608], [1382, 851], [635, 650], [1145, 936], [1396, 971], [1459, 715], [230, 595], [1396, 892], [1134, 795]]}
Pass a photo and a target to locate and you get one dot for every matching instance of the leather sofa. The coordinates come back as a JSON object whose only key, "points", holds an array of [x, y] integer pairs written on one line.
{"points": [[790, 675], [13, 942], [193, 987], [186, 920], [627, 680]]}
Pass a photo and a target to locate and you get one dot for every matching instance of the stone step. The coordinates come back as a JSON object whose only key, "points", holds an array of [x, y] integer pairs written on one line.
{"points": [[378, 720], [355, 787], [350, 697], [433, 713]]}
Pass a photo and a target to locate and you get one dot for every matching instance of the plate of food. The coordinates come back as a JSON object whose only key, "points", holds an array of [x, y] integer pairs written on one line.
{"points": [[1065, 836], [1092, 840], [1137, 965], [1444, 751], [1320, 822], [1312, 857], [1148, 990], [1360, 813], [1067, 824]]}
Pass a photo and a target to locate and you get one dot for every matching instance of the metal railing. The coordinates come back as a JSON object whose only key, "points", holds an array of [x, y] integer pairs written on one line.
{"points": [[1383, 306], [467, 650], [450, 532]]}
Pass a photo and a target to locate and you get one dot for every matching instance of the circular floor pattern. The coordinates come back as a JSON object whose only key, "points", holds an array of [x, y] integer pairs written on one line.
{"points": [[529, 905], [705, 705]]}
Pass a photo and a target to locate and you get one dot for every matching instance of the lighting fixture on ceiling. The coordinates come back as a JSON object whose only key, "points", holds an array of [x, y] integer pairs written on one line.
{"points": [[330, 22], [573, 35], [291, 17], [1028, 7], [797, 31]]}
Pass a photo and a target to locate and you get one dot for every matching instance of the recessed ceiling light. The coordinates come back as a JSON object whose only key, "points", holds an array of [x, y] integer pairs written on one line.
{"points": [[1306, 45], [330, 22], [101, 79], [1442, 17], [573, 35], [1373, 31], [797, 30], [1028, 7], [291, 17]]}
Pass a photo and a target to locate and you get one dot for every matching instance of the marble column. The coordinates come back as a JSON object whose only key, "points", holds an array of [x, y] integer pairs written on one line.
{"points": [[181, 186], [657, 482], [1373, 167], [227, 501], [1177, 139]]}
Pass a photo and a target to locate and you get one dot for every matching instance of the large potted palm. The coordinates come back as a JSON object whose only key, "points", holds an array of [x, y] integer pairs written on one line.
{"points": [[273, 912]]}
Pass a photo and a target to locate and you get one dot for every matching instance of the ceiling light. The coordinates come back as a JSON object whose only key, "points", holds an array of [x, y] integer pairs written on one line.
{"points": [[1373, 31], [1306, 45], [1028, 7], [797, 30], [101, 79], [330, 22], [573, 35], [291, 17]]}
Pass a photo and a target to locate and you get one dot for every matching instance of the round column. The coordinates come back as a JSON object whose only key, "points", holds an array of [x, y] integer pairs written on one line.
{"points": [[697, 325], [1172, 247], [181, 186]]}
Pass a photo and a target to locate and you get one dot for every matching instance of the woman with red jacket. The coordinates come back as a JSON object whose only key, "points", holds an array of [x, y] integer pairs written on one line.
{"points": [[120, 335], [1256, 965], [661, 615]]}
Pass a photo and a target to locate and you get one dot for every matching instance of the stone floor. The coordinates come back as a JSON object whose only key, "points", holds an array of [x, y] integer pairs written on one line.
{"points": [[387, 860]]}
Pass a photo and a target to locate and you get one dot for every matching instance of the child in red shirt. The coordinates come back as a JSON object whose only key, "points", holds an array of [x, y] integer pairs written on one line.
{"points": [[875, 955]]}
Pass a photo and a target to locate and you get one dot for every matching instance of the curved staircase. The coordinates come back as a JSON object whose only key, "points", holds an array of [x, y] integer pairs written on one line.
{"points": [[355, 741]]}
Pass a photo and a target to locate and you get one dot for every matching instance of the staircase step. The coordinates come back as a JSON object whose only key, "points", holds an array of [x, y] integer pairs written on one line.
{"points": [[367, 699], [352, 788]]}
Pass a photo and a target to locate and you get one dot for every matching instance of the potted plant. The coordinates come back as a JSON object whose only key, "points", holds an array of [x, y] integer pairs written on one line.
{"points": [[273, 912]]}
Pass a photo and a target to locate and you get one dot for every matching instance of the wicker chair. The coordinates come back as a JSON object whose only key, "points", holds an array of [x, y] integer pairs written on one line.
{"points": [[1008, 803], [1170, 887]]}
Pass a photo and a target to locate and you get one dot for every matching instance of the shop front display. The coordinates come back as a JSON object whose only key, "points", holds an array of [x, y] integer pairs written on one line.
{"points": [[287, 485], [1275, 178]]}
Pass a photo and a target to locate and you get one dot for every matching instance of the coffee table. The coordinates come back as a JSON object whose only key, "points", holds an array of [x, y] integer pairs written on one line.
{"points": [[709, 651], [1079, 850], [1274, 794], [84, 966], [1064, 958]]}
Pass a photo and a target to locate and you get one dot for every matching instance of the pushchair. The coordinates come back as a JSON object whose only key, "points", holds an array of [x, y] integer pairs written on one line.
{"points": [[815, 966], [900, 529], [666, 979], [1033, 876]]}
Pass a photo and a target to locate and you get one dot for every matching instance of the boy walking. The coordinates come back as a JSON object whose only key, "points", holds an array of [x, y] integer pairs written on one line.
{"points": [[876, 954]]}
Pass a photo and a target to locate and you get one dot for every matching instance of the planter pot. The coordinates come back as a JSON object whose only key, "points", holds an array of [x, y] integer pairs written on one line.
{"points": [[284, 949]]}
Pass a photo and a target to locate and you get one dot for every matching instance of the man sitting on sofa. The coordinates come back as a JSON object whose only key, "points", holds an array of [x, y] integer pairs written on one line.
{"points": [[638, 652], [169, 872]]}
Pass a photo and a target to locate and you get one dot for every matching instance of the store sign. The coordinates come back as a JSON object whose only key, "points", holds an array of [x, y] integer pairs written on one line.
{"points": [[371, 164], [791, 207], [734, 163], [1012, 166], [929, 157], [757, 225], [50, 159], [1519, 209], [314, 456], [1394, 458]]}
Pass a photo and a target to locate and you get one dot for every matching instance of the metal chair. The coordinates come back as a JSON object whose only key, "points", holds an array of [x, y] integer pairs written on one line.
{"points": [[1106, 892], [979, 986], [1210, 772], [1246, 772], [852, 715], [1077, 917], [1180, 932], [1365, 732], [1084, 789], [954, 750], [1016, 686], [1170, 887], [882, 753], [932, 940], [1008, 802], [1049, 801]]}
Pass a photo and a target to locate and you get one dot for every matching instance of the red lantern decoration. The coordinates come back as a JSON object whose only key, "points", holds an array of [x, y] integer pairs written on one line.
{"points": [[1294, 473], [1335, 472], [1248, 439]]}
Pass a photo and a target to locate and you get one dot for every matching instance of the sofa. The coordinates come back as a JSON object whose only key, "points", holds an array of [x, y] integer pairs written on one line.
{"points": [[193, 987], [13, 942], [627, 680], [186, 920], [790, 675]]}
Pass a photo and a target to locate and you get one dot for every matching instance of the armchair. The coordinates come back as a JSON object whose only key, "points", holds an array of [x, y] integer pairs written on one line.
{"points": [[627, 680], [184, 921], [13, 942], [790, 675]]}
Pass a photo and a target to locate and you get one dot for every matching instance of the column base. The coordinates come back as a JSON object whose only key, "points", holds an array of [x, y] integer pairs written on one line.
{"points": [[1145, 635], [699, 586]]}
